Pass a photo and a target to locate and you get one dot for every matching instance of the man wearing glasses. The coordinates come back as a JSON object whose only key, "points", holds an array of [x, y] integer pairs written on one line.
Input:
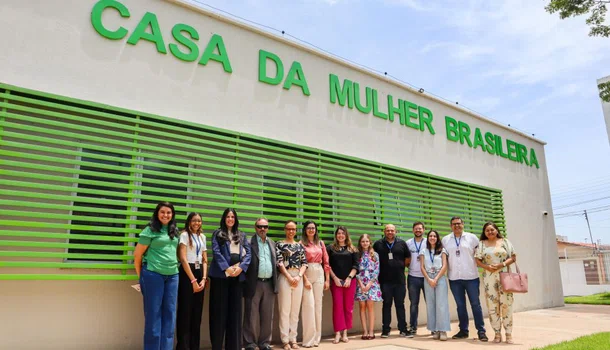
{"points": [[464, 277], [260, 289]]}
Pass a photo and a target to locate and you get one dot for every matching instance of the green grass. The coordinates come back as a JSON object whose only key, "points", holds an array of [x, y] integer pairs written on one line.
{"points": [[589, 342], [595, 299]]}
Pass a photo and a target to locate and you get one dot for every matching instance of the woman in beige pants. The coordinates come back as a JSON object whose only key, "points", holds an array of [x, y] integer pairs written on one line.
{"points": [[315, 282], [292, 264]]}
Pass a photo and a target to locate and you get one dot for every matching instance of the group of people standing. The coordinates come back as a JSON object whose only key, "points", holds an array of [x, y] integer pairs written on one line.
{"points": [[172, 267]]}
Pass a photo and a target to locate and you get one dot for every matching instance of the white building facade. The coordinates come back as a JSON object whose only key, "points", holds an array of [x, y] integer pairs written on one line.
{"points": [[107, 107]]}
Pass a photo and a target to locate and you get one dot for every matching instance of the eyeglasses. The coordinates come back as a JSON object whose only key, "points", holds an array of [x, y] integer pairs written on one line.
{"points": [[263, 227], [457, 224]]}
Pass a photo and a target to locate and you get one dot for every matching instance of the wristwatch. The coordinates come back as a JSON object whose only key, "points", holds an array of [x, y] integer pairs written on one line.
{"points": [[300, 275]]}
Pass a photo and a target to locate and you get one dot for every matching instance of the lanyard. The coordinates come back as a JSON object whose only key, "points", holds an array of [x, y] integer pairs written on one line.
{"points": [[197, 244], [457, 243], [420, 243], [431, 257], [390, 246]]}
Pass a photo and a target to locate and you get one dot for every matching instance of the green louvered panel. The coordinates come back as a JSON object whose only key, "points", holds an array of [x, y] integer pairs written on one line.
{"points": [[79, 180]]}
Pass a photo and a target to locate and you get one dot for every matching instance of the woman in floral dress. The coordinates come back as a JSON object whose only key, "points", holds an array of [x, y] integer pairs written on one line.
{"points": [[493, 254], [368, 290]]}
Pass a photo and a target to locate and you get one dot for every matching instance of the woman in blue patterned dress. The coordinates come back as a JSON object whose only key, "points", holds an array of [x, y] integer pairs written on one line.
{"points": [[368, 290]]}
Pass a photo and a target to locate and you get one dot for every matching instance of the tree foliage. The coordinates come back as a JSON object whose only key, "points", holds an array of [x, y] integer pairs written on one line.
{"points": [[596, 10]]}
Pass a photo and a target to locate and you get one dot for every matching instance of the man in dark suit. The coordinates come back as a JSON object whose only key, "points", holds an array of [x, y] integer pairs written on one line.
{"points": [[260, 289]]}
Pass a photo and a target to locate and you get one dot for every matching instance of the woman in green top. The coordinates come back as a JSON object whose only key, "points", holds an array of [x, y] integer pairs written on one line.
{"points": [[156, 264]]}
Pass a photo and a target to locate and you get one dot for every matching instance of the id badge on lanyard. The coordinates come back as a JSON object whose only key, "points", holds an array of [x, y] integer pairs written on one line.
{"points": [[197, 250]]}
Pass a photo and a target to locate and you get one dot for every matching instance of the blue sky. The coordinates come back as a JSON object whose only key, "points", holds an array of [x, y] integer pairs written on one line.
{"points": [[506, 59]]}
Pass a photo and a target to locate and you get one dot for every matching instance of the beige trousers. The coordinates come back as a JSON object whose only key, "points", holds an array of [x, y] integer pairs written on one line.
{"points": [[312, 305], [289, 302]]}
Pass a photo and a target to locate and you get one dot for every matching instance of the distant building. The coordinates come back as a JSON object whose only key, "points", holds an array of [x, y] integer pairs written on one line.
{"points": [[585, 267], [606, 106]]}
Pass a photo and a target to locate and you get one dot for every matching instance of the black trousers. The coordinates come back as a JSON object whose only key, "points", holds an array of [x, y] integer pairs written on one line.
{"points": [[190, 308], [395, 292], [225, 313]]}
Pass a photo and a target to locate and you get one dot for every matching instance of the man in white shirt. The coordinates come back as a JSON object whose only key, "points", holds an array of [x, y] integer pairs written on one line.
{"points": [[415, 280], [464, 277]]}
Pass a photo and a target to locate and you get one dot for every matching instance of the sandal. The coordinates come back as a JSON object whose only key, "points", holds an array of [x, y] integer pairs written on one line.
{"points": [[294, 345], [372, 336], [345, 339], [509, 339], [337, 338], [498, 338], [286, 346]]}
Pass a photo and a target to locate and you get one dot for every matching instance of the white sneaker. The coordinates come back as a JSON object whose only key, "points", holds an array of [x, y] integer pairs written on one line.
{"points": [[436, 335], [443, 336]]}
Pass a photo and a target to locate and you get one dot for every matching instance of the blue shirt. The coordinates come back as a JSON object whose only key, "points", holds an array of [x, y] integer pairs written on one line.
{"points": [[265, 267]]}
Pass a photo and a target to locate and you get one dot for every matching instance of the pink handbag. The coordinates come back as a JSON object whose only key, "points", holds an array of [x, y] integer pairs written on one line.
{"points": [[513, 282]]}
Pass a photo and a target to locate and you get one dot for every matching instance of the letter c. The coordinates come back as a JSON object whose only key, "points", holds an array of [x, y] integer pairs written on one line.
{"points": [[96, 19]]}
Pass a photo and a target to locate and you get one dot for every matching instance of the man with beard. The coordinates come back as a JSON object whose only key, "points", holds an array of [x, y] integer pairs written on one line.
{"points": [[415, 280]]}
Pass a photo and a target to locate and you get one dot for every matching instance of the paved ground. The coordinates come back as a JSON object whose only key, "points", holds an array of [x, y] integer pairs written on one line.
{"points": [[531, 329]]}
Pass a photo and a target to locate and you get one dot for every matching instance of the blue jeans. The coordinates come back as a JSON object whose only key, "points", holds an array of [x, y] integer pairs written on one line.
{"points": [[437, 305], [415, 285], [160, 293], [459, 289]]}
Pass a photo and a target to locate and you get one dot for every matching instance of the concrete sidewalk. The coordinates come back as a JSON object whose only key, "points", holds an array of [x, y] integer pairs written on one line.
{"points": [[531, 329]]}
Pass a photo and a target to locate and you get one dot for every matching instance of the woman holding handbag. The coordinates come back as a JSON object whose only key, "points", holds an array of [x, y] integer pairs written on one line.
{"points": [[493, 254]]}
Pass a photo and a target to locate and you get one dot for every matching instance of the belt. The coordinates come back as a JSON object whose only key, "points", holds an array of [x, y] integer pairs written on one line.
{"points": [[264, 279]]}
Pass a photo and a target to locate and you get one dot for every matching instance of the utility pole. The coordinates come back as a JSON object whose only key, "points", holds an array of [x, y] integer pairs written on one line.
{"points": [[590, 235]]}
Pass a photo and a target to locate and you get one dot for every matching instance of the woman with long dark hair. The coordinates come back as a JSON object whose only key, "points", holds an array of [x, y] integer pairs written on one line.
{"points": [[343, 261], [315, 281], [231, 252], [192, 278], [433, 261], [493, 254], [156, 264]]}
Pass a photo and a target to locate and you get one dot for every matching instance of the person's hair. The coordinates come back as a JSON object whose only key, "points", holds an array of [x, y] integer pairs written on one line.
{"points": [[348, 241], [155, 223], [305, 238], [187, 226], [259, 219], [419, 223], [484, 236], [456, 218], [370, 250], [295, 224], [438, 247], [224, 235]]}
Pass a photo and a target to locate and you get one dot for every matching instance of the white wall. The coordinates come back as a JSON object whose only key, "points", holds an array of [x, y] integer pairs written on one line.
{"points": [[574, 281], [51, 46]]}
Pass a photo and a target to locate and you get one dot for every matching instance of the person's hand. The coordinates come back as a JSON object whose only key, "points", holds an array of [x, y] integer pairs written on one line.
{"points": [[367, 287], [326, 285], [307, 284], [196, 287], [347, 283], [236, 271], [432, 282], [337, 281], [202, 283]]}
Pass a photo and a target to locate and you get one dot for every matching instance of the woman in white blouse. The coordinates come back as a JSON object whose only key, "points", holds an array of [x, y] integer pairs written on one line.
{"points": [[192, 278]]}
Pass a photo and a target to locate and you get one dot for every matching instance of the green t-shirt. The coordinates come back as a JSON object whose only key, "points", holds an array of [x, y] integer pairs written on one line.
{"points": [[160, 256]]}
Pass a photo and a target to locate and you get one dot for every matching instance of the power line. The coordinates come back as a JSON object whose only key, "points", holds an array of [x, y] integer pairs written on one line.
{"points": [[579, 203], [581, 212], [567, 188], [582, 191]]}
